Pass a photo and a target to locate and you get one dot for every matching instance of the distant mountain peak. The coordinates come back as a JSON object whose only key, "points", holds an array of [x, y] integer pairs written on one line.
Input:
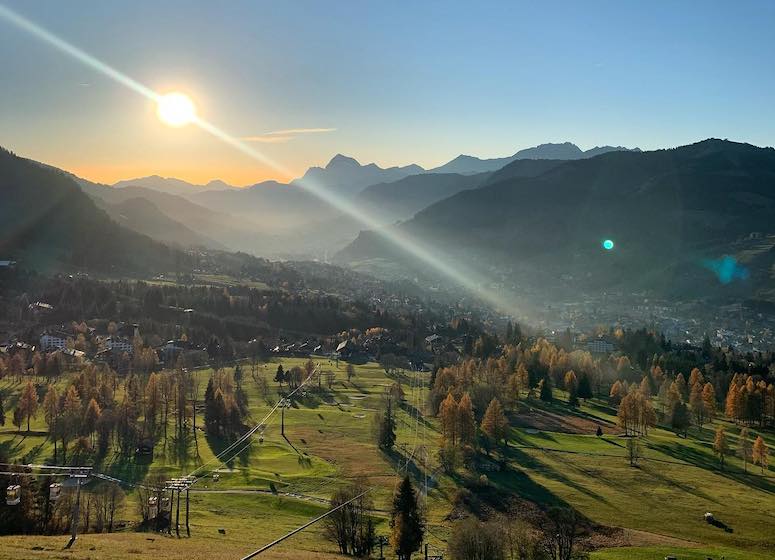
{"points": [[341, 161]]}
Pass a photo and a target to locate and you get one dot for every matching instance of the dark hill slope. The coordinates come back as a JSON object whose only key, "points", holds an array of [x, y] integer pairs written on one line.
{"points": [[48, 223], [666, 210]]}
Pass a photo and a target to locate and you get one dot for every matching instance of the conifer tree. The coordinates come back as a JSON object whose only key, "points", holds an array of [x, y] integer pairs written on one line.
{"points": [[760, 453], [494, 424], [28, 402], [720, 446], [585, 387], [545, 390], [406, 523], [448, 416], [386, 428], [466, 421], [709, 401], [744, 448]]}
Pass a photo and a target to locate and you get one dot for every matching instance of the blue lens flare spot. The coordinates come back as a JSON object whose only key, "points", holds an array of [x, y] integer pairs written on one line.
{"points": [[608, 244], [727, 269]]}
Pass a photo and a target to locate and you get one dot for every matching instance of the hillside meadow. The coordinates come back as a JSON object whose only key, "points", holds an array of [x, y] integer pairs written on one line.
{"points": [[649, 511]]}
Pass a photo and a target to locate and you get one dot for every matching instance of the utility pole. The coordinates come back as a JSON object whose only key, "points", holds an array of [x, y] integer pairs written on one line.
{"points": [[75, 514], [77, 473], [285, 403], [177, 516], [169, 523]]}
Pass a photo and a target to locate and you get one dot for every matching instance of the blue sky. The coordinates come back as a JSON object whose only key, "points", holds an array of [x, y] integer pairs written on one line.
{"points": [[400, 82]]}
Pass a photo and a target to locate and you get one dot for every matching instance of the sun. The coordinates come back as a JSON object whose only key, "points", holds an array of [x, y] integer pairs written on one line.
{"points": [[175, 109]]}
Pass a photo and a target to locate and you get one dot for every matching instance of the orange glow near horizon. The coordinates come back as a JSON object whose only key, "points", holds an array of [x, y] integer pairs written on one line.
{"points": [[235, 176]]}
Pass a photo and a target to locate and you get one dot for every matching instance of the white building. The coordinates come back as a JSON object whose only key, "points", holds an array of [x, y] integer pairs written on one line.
{"points": [[119, 344], [52, 342]]}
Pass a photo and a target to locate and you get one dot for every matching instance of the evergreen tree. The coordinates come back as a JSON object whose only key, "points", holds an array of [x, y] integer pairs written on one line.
{"points": [[406, 523], [585, 387], [386, 428], [573, 398], [279, 376], [680, 419], [545, 390]]}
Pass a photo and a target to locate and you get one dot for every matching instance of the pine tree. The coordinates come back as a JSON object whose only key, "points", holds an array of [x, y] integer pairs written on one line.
{"points": [[573, 397], [680, 418], [407, 526], [720, 446], [744, 448], [386, 430], [279, 376], [760, 453], [545, 390], [494, 424], [585, 387]]}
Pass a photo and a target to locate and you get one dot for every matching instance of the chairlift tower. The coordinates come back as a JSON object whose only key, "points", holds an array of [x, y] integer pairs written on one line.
{"points": [[178, 485]]}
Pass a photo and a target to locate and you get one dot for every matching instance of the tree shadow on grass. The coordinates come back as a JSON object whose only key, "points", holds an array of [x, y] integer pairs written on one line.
{"points": [[129, 468], [240, 454], [528, 461], [11, 447], [702, 460], [404, 464]]}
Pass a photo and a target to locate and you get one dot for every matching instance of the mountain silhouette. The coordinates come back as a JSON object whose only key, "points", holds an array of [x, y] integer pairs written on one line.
{"points": [[670, 212], [565, 151]]}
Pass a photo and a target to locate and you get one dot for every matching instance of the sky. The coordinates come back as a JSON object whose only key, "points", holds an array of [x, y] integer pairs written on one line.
{"points": [[386, 82]]}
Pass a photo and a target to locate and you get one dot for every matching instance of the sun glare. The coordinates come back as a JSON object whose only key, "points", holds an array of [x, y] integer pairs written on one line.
{"points": [[175, 109]]}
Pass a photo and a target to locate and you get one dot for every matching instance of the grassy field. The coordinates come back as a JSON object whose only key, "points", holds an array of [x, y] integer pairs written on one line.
{"points": [[553, 457]]}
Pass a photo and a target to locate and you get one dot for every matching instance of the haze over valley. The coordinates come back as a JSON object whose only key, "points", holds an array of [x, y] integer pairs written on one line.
{"points": [[326, 281]]}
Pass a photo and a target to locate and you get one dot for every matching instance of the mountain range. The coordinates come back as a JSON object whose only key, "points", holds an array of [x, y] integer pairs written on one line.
{"points": [[671, 214], [537, 221], [565, 151]]}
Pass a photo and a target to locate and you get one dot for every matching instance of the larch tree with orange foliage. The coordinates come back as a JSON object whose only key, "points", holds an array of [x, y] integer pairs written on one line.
{"points": [[720, 446], [466, 421], [760, 453], [448, 417]]}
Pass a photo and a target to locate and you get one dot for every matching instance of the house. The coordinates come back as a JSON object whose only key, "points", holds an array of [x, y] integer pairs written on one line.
{"points": [[51, 341], [40, 308], [169, 352], [600, 345], [119, 345]]}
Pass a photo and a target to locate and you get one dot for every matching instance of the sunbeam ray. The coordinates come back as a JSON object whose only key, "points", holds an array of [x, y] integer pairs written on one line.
{"points": [[433, 257]]}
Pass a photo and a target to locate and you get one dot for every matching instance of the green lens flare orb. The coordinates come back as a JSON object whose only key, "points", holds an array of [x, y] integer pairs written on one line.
{"points": [[608, 244]]}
